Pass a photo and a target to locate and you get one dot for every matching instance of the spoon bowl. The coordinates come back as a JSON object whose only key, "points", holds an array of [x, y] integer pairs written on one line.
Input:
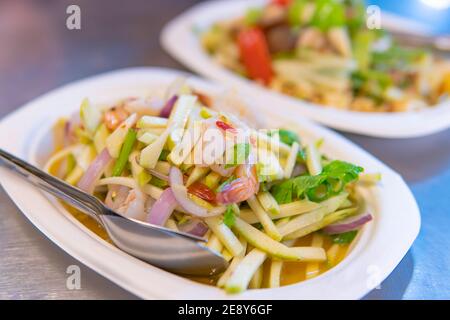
{"points": [[171, 250]]}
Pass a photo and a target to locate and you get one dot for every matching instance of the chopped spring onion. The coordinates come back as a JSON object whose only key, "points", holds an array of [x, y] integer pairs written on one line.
{"points": [[125, 152], [115, 140]]}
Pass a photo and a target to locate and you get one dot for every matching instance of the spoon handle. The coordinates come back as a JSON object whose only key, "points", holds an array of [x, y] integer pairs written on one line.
{"points": [[60, 189]]}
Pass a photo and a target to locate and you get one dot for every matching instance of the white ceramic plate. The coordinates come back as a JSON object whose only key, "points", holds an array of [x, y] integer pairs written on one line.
{"points": [[378, 249], [180, 40]]}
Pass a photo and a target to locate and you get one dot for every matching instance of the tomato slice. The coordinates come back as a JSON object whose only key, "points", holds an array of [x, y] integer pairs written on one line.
{"points": [[202, 191], [255, 54], [225, 126]]}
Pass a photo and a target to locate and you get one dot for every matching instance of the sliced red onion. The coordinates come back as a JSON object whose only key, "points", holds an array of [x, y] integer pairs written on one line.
{"points": [[149, 204], [94, 171], [163, 208], [167, 109], [159, 175], [69, 128], [349, 224], [180, 193], [194, 227], [220, 169]]}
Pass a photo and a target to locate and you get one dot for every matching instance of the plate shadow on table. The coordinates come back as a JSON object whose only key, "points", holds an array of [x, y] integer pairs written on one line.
{"points": [[395, 285], [416, 159]]}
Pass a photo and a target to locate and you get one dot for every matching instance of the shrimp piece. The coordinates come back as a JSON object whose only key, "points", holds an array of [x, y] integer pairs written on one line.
{"points": [[115, 116], [242, 188], [134, 205]]}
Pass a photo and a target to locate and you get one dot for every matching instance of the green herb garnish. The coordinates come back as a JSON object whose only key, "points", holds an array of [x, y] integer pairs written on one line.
{"points": [[229, 217], [344, 238], [127, 147], [320, 187], [163, 155]]}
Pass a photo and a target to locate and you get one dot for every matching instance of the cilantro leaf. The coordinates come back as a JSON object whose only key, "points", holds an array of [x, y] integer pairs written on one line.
{"points": [[344, 238], [295, 187], [342, 170], [328, 14], [288, 136], [163, 155], [332, 179]]}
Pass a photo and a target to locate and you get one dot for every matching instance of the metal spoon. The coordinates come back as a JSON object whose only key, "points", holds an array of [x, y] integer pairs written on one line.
{"points": [[170, 250]]}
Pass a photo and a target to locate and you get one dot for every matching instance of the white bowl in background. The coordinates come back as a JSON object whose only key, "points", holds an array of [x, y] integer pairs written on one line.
{"points": [[181, 41]]}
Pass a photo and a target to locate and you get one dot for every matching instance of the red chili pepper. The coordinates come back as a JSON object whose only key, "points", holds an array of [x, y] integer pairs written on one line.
{"points": [[255, 55], [281, 2], [202, 191], [225, 126]]}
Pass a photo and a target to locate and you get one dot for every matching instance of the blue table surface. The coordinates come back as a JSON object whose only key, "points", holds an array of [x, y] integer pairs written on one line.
{"points": [[424, 273], [435, 20]]}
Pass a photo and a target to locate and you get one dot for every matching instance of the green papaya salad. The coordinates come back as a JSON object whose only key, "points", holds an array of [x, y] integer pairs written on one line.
{"points": [[323, 52], [275, 207]]}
